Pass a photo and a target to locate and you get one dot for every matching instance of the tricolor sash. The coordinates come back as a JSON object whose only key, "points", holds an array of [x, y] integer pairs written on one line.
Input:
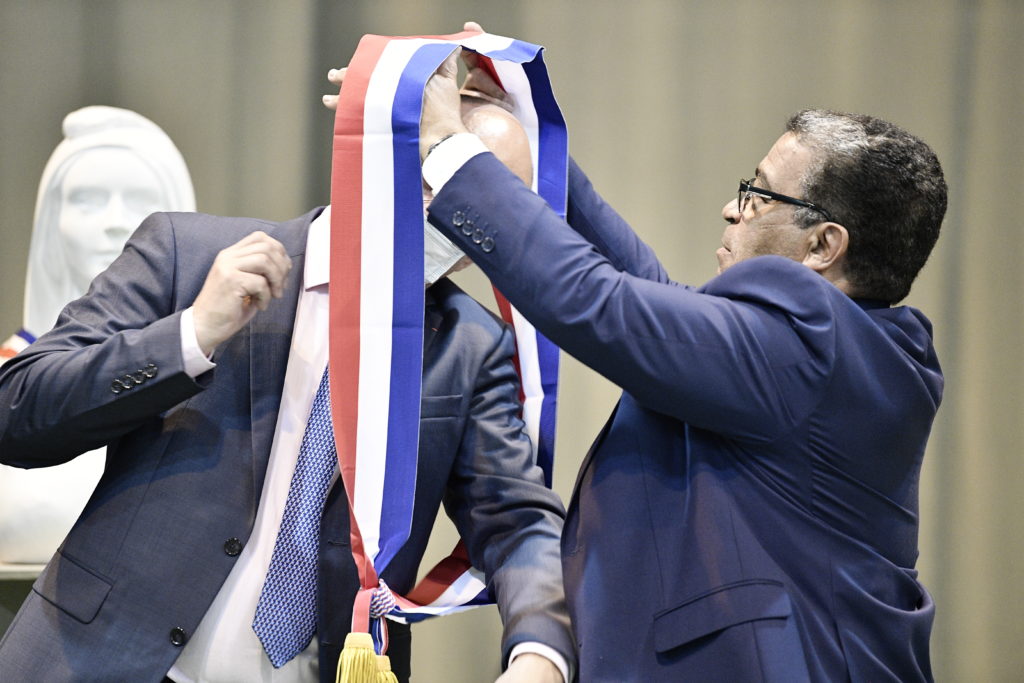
{"points": [[377, 302], [15, 344]]}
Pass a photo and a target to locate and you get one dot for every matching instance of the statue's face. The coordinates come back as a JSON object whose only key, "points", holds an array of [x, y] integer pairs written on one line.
{"points": [[105, 195]]}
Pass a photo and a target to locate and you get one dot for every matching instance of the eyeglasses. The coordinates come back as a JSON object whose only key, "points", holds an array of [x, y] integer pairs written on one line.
{"points": [[747, 190]]}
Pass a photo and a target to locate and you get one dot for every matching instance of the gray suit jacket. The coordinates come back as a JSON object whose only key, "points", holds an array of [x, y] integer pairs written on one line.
{"points": [[187, 457]]}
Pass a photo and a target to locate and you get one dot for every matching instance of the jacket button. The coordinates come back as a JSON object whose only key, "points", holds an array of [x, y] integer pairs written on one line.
{"points": [[458, 218], [232, 547], [487, 246], [178, 636]]}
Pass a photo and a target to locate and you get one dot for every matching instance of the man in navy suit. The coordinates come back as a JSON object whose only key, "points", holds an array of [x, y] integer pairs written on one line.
{"points": [[195, 358], [749, 511]]}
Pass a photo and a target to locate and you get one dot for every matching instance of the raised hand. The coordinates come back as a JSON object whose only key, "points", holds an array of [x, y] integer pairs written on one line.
{"points": [[441, 105], [481, 84], [241, 281]]}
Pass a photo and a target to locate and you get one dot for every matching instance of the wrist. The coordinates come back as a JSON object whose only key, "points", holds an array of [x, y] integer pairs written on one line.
{"points": [[449, 158], [196, 360], [432, 139], [438, 142]]}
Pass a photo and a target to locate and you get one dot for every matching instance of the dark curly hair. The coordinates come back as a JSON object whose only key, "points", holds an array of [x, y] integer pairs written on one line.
{"points": [[881, 183]]}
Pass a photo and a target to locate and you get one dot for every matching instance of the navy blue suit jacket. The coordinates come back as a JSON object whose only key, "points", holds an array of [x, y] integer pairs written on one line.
{"points": [[749, 511], [186, 459]]}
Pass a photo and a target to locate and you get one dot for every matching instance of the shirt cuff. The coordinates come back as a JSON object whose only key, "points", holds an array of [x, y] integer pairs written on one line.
{"points": [[448, 157], [440, 254], [196, 362], [544, 651]]}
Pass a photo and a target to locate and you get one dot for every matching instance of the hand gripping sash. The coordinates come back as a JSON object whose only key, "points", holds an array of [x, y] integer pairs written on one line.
{"points": [[377, 304]]}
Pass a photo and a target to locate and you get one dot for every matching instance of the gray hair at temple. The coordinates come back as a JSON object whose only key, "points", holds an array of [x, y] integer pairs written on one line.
{"points": [[884, 185]]}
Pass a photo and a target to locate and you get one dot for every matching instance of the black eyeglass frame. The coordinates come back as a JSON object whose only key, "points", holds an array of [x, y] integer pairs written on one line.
{"points": [[747, 189]]}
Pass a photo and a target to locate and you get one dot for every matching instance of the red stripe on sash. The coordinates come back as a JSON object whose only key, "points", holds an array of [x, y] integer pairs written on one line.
{"points": [[505, 308], [346, 271], [441, 577]]}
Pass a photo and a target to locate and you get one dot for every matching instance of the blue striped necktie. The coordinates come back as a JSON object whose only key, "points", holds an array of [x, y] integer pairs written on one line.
{"points": [[285, 618]]}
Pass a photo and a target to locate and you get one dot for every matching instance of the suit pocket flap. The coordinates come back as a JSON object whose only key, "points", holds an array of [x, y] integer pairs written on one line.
{"points": [[726, 606], [72, 588], [440, 406]]}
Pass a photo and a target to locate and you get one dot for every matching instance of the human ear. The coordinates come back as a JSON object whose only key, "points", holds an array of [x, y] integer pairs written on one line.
{"points": [[827, 245]]}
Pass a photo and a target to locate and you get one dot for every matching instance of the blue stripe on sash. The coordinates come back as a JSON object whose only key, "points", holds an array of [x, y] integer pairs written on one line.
{"points": [[553, 142], [518, 52], [407, 320], [552, 185]]}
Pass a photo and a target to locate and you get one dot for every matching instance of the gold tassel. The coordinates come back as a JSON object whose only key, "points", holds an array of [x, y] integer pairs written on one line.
{"points": [[358, 661], [385, 675]]}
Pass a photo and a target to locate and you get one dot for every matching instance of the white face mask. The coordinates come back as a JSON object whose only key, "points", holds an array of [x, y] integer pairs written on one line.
{"points": [[440, 255]]}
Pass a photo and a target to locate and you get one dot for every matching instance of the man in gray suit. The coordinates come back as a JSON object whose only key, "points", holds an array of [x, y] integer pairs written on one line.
{"points": [[194, 358]]}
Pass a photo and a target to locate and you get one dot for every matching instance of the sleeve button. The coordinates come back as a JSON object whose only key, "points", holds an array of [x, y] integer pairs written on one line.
{"points": [[458, 218], [487, 245], [178, 636]]}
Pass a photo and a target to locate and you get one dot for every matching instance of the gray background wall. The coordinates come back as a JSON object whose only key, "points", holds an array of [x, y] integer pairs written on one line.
{"points": [[669, 102]]}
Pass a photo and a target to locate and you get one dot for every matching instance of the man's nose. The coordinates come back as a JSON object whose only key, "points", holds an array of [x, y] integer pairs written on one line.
{"points": [[731, 212]]}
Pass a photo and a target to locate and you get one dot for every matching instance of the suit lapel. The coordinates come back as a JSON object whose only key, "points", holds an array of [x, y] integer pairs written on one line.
{"points": [[270, 338], [432, 320]]}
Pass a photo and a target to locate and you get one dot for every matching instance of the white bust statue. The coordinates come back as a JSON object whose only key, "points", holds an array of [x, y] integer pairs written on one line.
{"points": [[113, 168]]}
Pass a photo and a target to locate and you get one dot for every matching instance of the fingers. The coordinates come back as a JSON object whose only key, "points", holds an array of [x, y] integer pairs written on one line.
{"points": [[254, 290], [266, 257], [269, 274], [335, 77], [244, 278], [441, 105], [472, 26], [480, 81], [450, 67], [260, 254], [480, 85], [255, 267]]}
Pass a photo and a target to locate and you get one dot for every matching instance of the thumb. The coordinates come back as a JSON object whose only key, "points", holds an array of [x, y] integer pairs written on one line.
{"points": [[450, 67]]}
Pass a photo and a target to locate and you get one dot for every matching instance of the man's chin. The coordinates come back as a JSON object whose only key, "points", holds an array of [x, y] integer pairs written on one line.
{"points": [[724, 257]]}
